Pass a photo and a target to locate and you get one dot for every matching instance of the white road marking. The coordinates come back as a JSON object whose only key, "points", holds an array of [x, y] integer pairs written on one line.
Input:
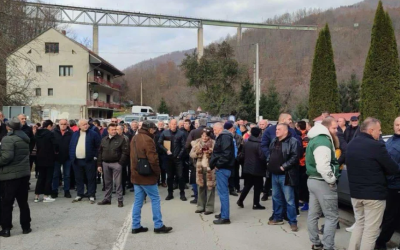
{"points": [[119, 244]]}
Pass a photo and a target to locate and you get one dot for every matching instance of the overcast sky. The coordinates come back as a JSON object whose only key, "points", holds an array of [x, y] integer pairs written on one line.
{"points": [[125, 46]]}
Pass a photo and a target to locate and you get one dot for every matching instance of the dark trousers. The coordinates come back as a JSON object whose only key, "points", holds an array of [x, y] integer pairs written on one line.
{"points": [[186, 166], [12, 190], [45, 179], [250, 181], [163, 159], [234, 180], [85, 168], [124, 176], [32, 159], [72, 178], [267, 184], [304, 194], [391, 218], [175, 167]]}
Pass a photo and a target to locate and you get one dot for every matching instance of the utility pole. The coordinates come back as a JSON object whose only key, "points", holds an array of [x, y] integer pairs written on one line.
{"points": [[141, 91], [257, 83]]}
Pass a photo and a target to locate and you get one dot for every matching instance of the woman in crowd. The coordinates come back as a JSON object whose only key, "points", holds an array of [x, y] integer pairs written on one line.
{"points": [[254, 168], [201, 151]]}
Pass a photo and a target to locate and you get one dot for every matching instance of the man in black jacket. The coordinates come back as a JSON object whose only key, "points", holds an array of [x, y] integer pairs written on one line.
{"points": [[113, 155], [63, 137], [175, 139], [14, 178], [234, 180], [162, 156], [283, 165], [223, 160], [368, 161], [353, 130]]}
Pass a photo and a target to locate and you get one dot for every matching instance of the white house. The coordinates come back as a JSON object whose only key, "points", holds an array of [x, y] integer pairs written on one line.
{"points": [[66, 79]]}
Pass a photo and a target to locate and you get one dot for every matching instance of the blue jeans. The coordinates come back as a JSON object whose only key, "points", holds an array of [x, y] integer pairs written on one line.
{"points": [[66, 175], [280, 193], [222, 176], [195, 191], [152, 192]]}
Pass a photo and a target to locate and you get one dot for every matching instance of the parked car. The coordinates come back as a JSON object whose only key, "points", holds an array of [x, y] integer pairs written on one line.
{"points": [[130, 118]]}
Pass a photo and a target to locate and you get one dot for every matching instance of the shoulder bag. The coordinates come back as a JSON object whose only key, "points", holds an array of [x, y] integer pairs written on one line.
{"points": [[143, 164]]}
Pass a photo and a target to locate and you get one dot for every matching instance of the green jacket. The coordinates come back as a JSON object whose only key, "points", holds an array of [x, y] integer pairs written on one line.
{"points": [[321, 162], [14, 156]]}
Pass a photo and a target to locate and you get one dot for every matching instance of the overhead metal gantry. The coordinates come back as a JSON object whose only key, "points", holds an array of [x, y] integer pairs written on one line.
{"points": [[105, 17]]}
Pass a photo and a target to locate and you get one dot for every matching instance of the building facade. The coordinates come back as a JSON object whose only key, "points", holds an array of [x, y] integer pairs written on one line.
{"points": [[64, 79]]}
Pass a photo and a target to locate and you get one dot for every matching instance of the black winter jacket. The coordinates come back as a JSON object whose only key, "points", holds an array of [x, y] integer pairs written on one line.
{"points": [[351, 132], [62, 142], [46, 148], [343, 147], [114, 150], [290, 157], [177, 144], [157, 135], [29, 132], [368, 161], [14, 156], [3, 130], [253, 157], [223, 156]]}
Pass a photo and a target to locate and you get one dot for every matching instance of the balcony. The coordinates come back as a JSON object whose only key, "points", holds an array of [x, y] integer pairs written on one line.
{"points": [[101, 104], [103, 82]]}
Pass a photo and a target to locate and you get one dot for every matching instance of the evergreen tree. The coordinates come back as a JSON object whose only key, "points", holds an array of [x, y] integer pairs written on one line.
{"points": [[270, 104], [163, 108], [344, 97], [247, 99], [215, 75], [380, 92], [301, 111], [323, 86]]}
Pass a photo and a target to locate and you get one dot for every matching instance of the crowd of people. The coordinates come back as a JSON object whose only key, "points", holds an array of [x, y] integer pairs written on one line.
{"points": [[296, 164]]}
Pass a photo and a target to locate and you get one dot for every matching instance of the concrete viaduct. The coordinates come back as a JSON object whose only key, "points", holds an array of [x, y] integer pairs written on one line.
{"points": [[103, 17]]}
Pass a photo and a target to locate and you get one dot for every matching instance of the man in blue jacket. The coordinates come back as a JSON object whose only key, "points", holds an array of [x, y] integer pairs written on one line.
{"points": [[392, 210], [83, 152]]}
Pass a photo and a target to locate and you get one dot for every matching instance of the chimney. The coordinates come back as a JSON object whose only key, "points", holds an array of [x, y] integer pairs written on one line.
{"points": [[64, 32]]}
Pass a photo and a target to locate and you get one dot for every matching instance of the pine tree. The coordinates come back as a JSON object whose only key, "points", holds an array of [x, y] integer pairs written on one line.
{"points": [[380, 92], [344, 97], [163, 108], [354, 94], [247, 99], [301, 111], [270, 104], [323, 86]]}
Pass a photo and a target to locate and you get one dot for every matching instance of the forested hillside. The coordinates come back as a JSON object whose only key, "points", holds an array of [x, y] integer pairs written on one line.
{"points": [[285, 56]]}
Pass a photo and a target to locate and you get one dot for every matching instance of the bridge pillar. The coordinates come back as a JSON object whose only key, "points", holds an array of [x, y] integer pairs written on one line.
{"points": [[96, 39], [200, 47], [239, 35]]}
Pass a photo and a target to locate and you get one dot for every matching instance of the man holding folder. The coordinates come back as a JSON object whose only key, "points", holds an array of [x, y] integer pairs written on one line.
{"points": [[172, 141]]}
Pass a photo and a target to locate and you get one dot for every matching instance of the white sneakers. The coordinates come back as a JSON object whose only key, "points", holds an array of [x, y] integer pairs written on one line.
{"points": [[48, 199], [350, 229]]}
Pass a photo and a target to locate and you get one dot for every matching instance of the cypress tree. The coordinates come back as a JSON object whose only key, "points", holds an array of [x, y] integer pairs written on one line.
{"points": [[323, 85], [163, 108], [380, 92]]}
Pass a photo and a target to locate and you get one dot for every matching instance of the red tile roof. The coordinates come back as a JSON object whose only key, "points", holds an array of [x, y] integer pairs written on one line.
{"points": [[346, 116]]}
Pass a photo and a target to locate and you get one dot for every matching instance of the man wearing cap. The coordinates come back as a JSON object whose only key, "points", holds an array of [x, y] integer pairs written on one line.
{"points": [[113, 155], [223, 161], [14, 177], [353, 130], [143, 147]]}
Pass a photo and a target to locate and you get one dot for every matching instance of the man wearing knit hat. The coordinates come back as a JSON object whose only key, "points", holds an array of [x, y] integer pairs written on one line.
{"points": [[14, 177]]}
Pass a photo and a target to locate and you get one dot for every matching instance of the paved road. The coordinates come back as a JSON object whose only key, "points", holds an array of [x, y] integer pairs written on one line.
{"points": [[65, 225]]}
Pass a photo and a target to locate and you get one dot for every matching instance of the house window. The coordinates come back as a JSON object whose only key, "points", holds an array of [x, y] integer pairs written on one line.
{"points": [[38, 91], [66, 71], [51, 47], [39, 68], [49, 92]]}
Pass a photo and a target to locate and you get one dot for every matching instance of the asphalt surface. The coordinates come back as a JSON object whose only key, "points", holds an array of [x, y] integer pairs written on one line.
{"points": [[66, 225]]}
